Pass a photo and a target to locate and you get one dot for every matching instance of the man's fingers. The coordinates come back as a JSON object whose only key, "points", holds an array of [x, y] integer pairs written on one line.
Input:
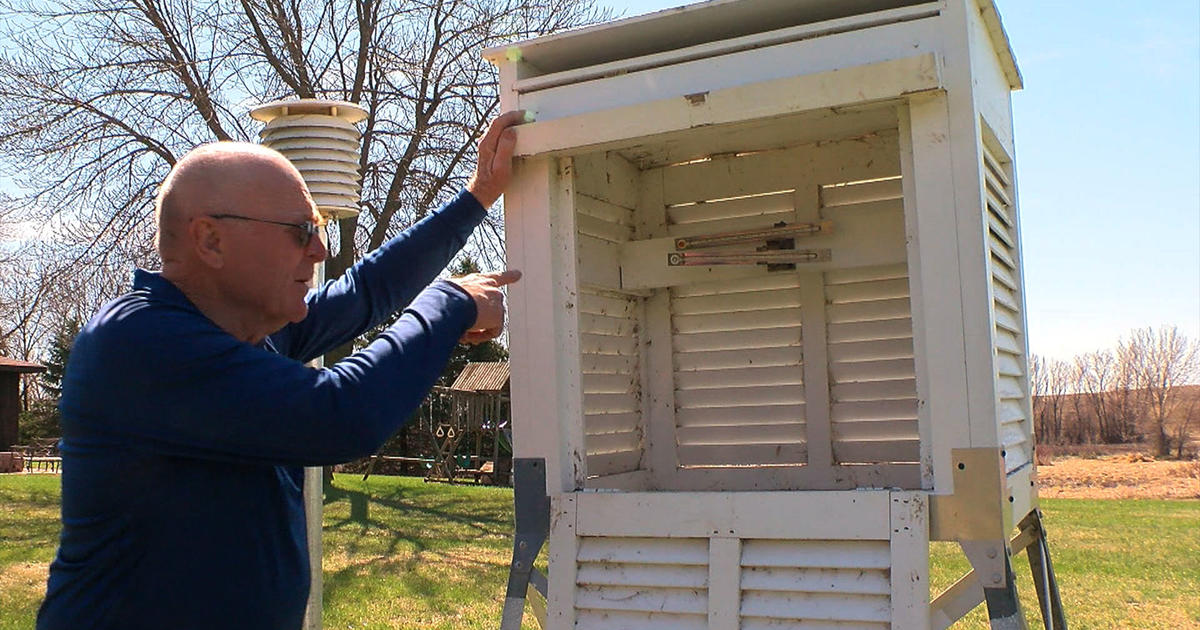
{"points": [[496, 130], [501, 278]]}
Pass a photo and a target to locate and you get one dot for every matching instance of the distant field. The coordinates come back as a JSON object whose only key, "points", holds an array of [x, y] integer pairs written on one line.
{"points": [[400, 553]]}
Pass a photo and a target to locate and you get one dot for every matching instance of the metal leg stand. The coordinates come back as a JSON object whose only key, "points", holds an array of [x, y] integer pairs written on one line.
{"points": [[1004, 608], [533, 526], [1053, 617]]}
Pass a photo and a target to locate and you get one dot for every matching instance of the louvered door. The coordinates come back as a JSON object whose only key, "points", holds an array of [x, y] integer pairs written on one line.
{"points": [[1012, 393]]}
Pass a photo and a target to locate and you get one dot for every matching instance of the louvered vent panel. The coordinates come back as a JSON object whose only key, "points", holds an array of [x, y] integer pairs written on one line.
{"points": [[872, 380], [610, 374], [815, 584], [730, 214], [600, 219], [1011, 392], [739, 391], [642, 583]]}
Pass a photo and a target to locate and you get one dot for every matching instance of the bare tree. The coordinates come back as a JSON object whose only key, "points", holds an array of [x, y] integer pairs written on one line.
{"points": [[99, 98], [1163, 360], [1051, 381]]}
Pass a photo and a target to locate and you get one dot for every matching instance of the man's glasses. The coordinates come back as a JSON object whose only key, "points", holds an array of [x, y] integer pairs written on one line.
{"points": [[307, 230]]}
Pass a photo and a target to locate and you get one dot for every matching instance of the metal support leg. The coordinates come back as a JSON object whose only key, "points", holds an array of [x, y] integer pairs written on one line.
{"points": [[533, 526], [1053, 617], [1004, 608]]}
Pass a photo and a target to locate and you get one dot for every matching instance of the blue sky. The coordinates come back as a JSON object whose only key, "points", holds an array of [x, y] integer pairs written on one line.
{"points": [[1108, 165]]}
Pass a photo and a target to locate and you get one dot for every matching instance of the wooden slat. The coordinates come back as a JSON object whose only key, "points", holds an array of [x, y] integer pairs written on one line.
{"points": [[743, 207], [607, 344], [748, 414], [734, 396], [603, 464], [1007, 342], [764, 623], [626, 620], [875, 430], [603, 210], [1009, 365], [808, 580], [900, 409], [867, 291], [739, 358], [609, 383], [735, 224], [795, 607], [609, 403], [604, 304], [613, 442], [607, 325], [710, 379], [860, 192], [1007, 319], [604, 230], [649, 575], [591, 363], [874, 390], [790, 433], [871, 350], [769, 283], [885, 369], [871, 331], [657, 600], [595, 423], [671, 551], [784, 297], [744, 320], [866, 274], [869, 311], [742, 454], [746, 340], [830, 554], [877, 451]]}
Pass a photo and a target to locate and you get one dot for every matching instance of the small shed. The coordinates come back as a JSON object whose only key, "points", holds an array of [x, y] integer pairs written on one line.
{"points": [[770, 340], [10, 397]]}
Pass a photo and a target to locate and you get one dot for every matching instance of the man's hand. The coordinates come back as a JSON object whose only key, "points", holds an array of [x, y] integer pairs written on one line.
{"points": [[494, 169], [484, 288]]}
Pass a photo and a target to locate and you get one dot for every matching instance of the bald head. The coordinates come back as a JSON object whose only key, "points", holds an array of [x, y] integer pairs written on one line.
{"points": [[222, 177]]}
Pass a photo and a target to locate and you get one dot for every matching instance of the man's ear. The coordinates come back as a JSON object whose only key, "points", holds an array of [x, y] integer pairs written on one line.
{"points": [[206, 242]]}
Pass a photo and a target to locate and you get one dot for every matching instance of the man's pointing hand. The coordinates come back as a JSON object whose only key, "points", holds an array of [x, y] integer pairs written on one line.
{"points": [[484, 288]]}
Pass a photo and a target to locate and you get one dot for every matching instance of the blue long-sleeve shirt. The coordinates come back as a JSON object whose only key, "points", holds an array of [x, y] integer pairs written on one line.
{"points": [[182, 446]]}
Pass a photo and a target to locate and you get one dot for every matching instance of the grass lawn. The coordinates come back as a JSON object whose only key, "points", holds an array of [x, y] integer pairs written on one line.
{"points": [[400, 553]]}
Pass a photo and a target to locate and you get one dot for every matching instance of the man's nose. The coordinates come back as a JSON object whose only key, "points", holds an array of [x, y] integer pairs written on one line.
{"points": [[317, 249]]}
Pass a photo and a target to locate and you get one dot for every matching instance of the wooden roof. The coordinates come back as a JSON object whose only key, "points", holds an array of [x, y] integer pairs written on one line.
{"points": [[715, 20], [20, 367], [484, 376]]}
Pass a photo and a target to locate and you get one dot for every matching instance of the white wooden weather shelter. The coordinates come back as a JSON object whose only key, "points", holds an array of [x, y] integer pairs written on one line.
{"points": [[770, 340]]}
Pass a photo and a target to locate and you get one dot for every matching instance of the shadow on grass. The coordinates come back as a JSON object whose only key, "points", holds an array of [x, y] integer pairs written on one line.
{"points": [[415, 521]]}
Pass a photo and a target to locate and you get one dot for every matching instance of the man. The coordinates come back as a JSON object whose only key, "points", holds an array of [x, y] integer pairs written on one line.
{"points": [[188, 411]]}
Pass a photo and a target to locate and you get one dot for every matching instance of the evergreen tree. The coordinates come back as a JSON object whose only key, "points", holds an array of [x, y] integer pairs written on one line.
{"points": [[60, 352]]}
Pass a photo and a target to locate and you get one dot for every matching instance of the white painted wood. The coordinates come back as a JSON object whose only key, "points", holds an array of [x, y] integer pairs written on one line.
{"points": [[725, 47], [856, 515], [965, 145], [660, 391], [936, 295], [768, 65], [724, 582], [562, 552], [818, 420], [910, 560], [874, 82]]}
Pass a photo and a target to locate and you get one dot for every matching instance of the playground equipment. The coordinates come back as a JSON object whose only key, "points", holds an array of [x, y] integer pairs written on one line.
{"points": [[770, 340]]}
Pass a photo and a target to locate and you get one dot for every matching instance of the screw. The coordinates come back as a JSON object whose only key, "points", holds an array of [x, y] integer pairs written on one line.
{"points": [[995, 578], [991, 552], [522, 545]]}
